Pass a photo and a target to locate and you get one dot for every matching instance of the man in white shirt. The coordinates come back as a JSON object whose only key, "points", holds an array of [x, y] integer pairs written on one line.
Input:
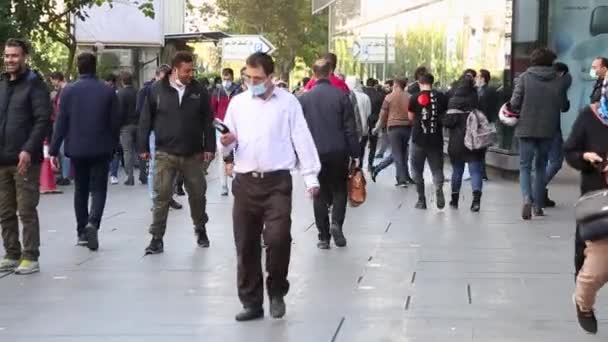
{"points": [[269, 137]]}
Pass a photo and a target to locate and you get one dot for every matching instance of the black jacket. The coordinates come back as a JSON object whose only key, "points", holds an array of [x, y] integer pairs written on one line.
{"points": [[489, 102], [377, 98], [182, 129], [25, 115], [596, 95], [331, 119], [464, 99], [127, 99], [89, 119]]}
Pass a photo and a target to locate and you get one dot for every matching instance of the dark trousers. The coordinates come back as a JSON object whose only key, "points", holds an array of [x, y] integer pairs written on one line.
{"points": [[91, 180], [262, 205], [19, 195], [434, 156], [373, 145], [333, 193], [399, 137]]}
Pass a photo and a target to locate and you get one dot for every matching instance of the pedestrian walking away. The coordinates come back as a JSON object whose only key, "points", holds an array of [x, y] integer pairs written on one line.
{"points": [[26, 113], [463, 101], [89, 125], [331, 121], [586, 150], [376, 98], [178, 110], [364, 109], [269, 137], [220, 99], [395, 117], [427, 109], [127, 100], [539, 98]]}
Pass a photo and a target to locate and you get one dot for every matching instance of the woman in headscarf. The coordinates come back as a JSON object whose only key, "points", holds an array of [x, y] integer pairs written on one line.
{"points": [[587, 151]]}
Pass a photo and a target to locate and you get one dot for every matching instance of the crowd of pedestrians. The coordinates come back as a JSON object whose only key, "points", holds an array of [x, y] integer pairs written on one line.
{"points": [[258, 132]]}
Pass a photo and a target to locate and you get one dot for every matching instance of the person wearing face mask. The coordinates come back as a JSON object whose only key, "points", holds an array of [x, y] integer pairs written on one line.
{"points": [[269, 137], [220, 99], [178, 111], [426, 110], [599, 67]]}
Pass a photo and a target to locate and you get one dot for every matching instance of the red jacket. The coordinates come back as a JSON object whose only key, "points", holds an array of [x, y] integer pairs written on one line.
{"points": [[220, 99], [333, 80]]}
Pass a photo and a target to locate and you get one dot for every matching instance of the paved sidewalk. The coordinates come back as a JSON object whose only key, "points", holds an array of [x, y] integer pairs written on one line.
{"points": [[406, 275]]}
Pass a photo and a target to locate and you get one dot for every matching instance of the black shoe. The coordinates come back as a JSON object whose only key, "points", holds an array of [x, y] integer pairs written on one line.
{"points": [[485, 178], [476, 205], [586, 320], [440, 197], [180, 192], [421, 204], [92, 237], [548, 202], [409, 181], [277, 307], [375, 173], [249, 314], [173, 204], [455, 199], [63, 182], [156, 247], [143, 181], [201, 238], [130, 182], [323, 244], [539, 212], [401, 185], [338, 235], [82, 239], [526, 212]]}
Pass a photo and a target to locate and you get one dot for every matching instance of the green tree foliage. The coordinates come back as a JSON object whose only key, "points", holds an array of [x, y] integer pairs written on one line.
{"points": [[47, 22], [288, 24]]}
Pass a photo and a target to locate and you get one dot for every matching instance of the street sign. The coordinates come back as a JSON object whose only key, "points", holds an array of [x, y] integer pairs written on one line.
{"points": [[239, 47], [373, 49]]}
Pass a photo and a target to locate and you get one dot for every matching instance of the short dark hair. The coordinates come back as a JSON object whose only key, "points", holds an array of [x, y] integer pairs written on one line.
{"points": [[427, 79], [604, 61], [485, 74], [421, 70], [542, 57], [401, 82], [371, 82], [217, 80], [322, 68], [126, 78], [263, 60], [110, 77], [87, 64], [58, 76], [305, 81], [165, 68], [332, 59], [561, 67], [228, 71], [182, 57], [390, 83], [471, 72], [20, 43]]}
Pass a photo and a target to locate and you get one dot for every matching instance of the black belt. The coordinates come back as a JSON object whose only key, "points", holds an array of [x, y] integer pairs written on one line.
{"points": [[263, 175]]}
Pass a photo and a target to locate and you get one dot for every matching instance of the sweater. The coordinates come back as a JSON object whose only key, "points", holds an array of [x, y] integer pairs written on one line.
{"points": [[395, 110]]}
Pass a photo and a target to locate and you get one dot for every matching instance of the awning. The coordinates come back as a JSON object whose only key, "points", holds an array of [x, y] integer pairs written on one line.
{"points": [[197, 36]]}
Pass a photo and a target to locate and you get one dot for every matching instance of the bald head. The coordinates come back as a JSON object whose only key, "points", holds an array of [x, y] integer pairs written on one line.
{"points": [[322, 69]]}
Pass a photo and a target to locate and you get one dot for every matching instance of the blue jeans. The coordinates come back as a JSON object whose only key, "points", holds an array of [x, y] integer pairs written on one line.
{"points": [[66, 166], [400, 139], [151, 192], [114, 165], [537, 150], [556, 157], [475, 170]]}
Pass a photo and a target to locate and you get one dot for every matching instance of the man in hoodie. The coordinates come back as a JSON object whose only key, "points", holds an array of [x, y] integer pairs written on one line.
{"points": [[539, 98], [25, 119], [220, 99], [89, 124], [556, 153], [364, 109], [331, 121]]}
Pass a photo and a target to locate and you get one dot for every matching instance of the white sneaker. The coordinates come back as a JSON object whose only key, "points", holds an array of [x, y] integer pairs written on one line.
{"points": [[113, 180], [8, 265], [27, 267]]}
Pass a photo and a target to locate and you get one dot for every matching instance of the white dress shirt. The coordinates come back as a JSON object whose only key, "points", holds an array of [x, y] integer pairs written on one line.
{"points": [[180, 90], [271, 135]]}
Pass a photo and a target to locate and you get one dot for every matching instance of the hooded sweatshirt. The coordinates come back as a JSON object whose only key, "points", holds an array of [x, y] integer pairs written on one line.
{"points": [[539, 98], [364, 104]]}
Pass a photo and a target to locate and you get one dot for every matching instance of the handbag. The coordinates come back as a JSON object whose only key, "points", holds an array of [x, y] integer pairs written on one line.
{"points": [[357, 192], [591, 212]]}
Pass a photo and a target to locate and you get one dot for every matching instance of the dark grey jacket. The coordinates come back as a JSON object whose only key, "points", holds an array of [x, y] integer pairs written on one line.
{"points": [[331, 119], [539, 98]]}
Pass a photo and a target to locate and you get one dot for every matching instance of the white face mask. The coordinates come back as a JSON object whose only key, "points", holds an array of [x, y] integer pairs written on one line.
{"points": [[593, 74], [227, 84]]}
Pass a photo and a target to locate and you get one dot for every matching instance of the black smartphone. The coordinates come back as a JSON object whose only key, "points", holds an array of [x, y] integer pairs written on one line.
{"points": [[221, 127]]}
